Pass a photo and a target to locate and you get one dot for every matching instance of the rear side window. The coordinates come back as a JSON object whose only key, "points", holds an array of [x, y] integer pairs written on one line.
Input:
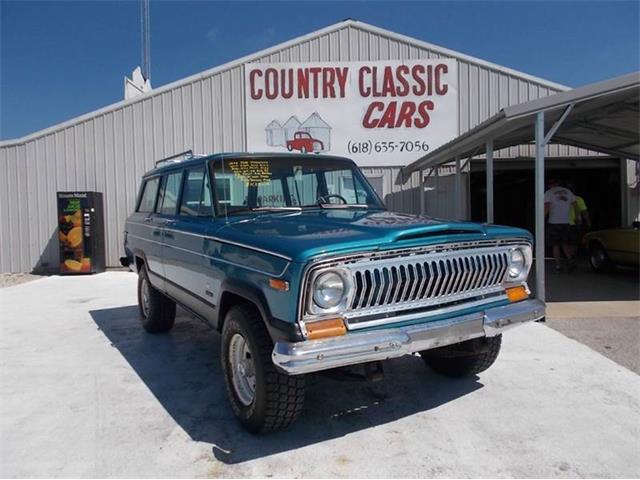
{"points": [[196, 195], [148, 198], [168, 201]]}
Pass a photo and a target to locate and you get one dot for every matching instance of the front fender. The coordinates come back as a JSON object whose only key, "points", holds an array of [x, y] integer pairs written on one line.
{"points": [[234, 289]]}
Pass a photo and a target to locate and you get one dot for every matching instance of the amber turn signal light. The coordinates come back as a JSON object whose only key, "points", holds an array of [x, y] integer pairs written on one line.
{"points": [[333, 327], [278, 284], [516, 294]]}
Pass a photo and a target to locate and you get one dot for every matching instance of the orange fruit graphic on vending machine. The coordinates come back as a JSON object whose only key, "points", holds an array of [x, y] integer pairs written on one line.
{"points": [[76, 218], [73, 265], [74, 237], [86, 264]]}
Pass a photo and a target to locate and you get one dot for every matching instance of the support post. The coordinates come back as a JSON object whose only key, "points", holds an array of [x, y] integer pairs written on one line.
{"points": [[539, 199], [490, 218], [458, 190], [421, 183]]}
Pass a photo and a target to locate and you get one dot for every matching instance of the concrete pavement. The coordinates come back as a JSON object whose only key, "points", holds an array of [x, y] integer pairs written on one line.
{"points": [[85, 392]]}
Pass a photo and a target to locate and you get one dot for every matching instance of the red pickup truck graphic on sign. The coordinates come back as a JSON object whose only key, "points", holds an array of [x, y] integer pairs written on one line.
{"points": [[304, 142]]}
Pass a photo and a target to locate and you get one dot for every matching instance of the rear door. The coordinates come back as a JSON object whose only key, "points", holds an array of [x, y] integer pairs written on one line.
{"points": [[166, 214], [145, 233]]}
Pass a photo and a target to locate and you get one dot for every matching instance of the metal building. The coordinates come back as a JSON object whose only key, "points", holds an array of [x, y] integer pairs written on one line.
{"points": [[108, 150]]}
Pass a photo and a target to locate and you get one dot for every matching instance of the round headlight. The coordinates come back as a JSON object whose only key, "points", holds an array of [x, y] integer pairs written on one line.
{"points": [[328, 290], [516, 264]]}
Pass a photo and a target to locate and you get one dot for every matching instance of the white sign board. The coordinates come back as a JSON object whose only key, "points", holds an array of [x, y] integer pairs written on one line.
{"points": [[381, 113]]}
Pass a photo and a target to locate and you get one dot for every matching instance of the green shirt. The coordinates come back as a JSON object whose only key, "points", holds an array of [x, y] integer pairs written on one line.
{"points": [[582, 207]]}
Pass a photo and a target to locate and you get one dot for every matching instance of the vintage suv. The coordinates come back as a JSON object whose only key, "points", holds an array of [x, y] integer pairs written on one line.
{"points": [[298, 264]]}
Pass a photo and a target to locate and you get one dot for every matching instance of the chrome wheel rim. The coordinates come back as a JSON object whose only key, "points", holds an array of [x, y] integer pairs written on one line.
{"points": [[145, 294], [243, 372]]}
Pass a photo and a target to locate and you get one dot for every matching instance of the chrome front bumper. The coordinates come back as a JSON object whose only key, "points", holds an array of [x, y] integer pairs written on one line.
{"points": [[353, 348]]}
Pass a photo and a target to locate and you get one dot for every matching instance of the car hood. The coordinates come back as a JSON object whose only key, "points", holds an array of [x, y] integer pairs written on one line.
{"points": [[303, 235]]}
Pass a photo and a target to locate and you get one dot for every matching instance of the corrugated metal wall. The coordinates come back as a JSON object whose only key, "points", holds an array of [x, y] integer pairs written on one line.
{"points": [[109, 150]]}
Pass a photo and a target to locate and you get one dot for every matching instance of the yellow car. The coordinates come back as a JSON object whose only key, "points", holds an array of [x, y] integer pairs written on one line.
{"points": [[616, 246]]}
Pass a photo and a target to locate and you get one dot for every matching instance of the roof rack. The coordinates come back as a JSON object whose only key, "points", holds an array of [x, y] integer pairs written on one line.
{"points": [[179, 157]]}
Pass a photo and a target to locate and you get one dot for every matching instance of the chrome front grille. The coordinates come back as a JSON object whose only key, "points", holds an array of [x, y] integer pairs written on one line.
{"points": [[417, 281]]}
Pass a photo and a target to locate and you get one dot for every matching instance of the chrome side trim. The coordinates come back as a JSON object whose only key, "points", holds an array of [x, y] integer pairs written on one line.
{"points": [[218, 239], [354, 348], [215, 259]]}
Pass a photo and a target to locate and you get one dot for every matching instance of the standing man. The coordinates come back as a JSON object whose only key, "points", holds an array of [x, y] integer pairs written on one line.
{"points": [[579, 221], [558, 202]]}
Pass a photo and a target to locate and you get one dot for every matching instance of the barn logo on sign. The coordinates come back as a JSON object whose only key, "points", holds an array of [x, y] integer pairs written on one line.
{"points": [[312, 135], [390, 90]]}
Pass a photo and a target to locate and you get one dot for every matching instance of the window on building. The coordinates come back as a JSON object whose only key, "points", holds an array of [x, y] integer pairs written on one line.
{"points": [[169, 192], [148, 197]]}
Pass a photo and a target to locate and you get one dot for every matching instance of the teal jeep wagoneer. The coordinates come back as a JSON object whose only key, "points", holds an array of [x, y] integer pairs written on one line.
{"points": [[298, 264]]}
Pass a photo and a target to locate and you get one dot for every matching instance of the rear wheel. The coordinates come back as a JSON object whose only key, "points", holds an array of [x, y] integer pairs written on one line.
{"points": [[262, 398], [599, 259], [157, 311], [465, 358]]}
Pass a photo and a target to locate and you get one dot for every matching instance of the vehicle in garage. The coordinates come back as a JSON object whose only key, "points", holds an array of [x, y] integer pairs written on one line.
{"points": [[615, 246], [301, 274]]}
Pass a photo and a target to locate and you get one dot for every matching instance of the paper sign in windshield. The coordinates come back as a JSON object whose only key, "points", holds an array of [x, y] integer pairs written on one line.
{"points": [[252, 172]]}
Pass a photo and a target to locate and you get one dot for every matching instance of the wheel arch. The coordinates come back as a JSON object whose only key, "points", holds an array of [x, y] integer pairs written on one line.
{"points": [[236, 292]]}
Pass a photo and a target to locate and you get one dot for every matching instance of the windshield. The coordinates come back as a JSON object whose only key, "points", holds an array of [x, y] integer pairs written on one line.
{"points": [[280, 183]]}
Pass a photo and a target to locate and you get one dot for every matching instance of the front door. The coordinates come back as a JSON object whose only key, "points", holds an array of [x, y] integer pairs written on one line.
{"points": [[185, 254]]}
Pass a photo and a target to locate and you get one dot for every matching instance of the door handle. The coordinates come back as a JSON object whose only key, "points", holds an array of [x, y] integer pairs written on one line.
{"points": [[147, 220]]}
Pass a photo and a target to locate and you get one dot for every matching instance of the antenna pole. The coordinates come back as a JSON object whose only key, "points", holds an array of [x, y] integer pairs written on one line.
{"points": [[146, 39]]}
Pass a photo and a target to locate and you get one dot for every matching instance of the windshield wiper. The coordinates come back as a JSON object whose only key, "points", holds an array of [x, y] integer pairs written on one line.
{"points": [[343, 205], [265, 209]]}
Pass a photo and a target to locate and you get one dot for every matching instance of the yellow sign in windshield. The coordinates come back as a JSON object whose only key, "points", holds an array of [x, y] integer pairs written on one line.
{"points": [[251, 172]]}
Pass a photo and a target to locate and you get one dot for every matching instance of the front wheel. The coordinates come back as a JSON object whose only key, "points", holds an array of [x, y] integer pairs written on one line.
{"points": [[465, 358], [261, 397], [599, 259]]}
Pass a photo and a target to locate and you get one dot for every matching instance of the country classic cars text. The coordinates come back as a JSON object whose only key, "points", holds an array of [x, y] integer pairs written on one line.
{"points": [[400, 96]]}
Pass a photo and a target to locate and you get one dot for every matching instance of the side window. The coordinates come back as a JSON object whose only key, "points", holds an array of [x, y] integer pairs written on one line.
{"points": [[148, 198], [206, 206], [196, 197], [223, 189], [169, 192]]}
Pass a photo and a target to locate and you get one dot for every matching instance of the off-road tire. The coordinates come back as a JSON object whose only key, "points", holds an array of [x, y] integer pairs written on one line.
{"points": [[161, 313], [278, 398], [463, 359]]}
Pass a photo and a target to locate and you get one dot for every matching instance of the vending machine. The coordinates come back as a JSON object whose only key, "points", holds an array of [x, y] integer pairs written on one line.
{"points": [[81, 232]]}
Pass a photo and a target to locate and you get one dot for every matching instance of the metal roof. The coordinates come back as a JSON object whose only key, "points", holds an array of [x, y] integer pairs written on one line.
{"points": [[257, 56], [605, 117]]}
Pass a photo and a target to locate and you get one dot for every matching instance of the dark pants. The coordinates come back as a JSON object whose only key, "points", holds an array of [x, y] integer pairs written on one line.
{"points": [[558, 234]]}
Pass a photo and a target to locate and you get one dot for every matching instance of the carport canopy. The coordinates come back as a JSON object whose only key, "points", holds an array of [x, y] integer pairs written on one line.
{"points": [[602, 117]]}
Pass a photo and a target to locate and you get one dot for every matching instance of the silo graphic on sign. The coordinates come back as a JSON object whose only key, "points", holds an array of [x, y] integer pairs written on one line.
{"points": [[275, 134], [315, 126], [290, 127]]}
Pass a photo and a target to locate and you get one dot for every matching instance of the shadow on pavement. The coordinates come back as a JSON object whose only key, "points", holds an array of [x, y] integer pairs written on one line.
{"points": [[182, 369]]}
